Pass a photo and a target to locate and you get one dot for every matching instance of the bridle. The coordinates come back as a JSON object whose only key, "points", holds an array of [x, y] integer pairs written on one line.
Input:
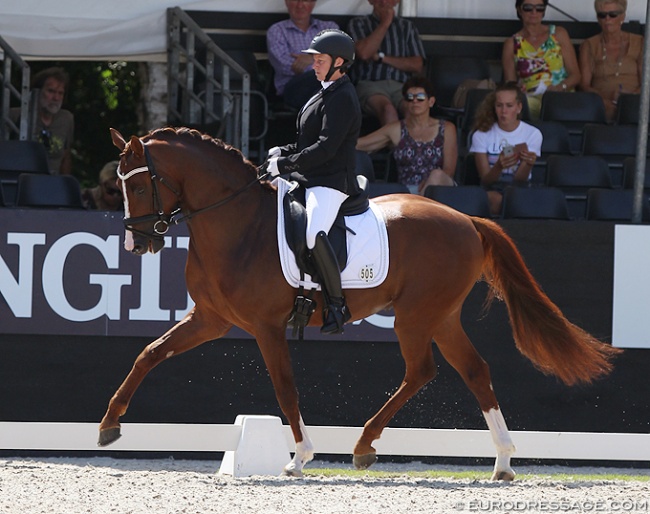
{"points": [[161, 220]]}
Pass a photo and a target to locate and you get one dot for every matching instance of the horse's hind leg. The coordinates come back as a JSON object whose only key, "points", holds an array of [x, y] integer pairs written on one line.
{"points": [[415, 346], [187, 334], [457, 349]]}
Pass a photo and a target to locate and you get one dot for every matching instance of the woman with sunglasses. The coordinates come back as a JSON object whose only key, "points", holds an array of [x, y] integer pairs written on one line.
{"points": [[504, 147], [106, 196], [611, 62], [539, 57], [425, 148]]}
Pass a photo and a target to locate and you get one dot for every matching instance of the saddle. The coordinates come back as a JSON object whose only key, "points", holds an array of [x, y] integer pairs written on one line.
{"points": [[295, 225], [295, 229]]}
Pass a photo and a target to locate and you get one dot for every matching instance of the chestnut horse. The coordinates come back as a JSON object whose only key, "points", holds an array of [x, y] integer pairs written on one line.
{"points": [[436, 256]]}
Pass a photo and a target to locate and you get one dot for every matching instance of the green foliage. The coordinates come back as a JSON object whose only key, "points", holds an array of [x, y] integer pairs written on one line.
{"points": [[100, 95]]}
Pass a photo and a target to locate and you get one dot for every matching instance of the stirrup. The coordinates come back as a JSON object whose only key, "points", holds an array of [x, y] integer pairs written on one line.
{"points": [[335, 316]]}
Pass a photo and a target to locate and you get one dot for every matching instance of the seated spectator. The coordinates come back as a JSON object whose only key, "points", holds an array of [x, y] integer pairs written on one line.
{"points": [[611, 62], [388, 52], [425, 148], [106, 196], [54, 126], [294, 77], [539, 57], [504, 147]]}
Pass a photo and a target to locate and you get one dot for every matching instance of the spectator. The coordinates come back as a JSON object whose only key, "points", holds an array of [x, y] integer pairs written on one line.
{"points": [[106, 196], [425, 149], [539, 57], [54, 126], [389, 51], [294, 77], [504, 147], [611, 62]]}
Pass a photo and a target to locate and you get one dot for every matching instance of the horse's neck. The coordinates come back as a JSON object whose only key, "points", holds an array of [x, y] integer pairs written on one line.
{"points": [[248, 217]]}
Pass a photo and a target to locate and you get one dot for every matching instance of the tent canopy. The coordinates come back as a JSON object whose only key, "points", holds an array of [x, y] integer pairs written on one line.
{"points": [[131, 30]]}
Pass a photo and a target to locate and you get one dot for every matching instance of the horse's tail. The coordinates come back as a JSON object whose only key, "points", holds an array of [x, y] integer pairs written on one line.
{"points": [[541, 332]]}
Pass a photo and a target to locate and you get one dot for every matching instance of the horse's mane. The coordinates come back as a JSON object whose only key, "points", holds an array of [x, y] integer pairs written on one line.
{"points": [[165, 133], [190, 133]]}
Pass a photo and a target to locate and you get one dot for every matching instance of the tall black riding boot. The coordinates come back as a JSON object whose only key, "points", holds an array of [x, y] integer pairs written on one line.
{"points": [[335, 311]]}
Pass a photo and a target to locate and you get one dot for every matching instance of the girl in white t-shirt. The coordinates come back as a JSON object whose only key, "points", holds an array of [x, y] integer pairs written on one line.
{"points": [[504, 147]]}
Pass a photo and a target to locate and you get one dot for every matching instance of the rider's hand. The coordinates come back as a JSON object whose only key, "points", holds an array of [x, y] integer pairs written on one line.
{"points": [[276, 151], [272, 167]]}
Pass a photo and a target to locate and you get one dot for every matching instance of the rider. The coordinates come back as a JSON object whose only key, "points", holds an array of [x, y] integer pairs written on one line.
{"points": [[323, 161]]}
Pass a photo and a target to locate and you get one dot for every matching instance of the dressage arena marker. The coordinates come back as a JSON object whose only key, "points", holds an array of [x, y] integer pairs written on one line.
{"points": [[251, 443]]}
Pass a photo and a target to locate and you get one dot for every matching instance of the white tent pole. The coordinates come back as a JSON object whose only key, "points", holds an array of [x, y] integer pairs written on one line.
{"points": [[642, 134], [408, 8]]}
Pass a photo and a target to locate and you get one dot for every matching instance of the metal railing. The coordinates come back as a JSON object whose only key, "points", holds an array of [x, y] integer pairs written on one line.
{"points": [[10, 95], [207, 88]]}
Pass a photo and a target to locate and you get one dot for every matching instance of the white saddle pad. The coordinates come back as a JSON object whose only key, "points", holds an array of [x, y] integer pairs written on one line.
{"points": [[367, 248]]}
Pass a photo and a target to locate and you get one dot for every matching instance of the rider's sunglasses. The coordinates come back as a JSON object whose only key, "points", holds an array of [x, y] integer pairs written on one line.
{"points": [[533, 7], [420, 97], [612, 14]]}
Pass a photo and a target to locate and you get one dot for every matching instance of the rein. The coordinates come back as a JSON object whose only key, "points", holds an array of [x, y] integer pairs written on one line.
{"points": [[161, 220]]}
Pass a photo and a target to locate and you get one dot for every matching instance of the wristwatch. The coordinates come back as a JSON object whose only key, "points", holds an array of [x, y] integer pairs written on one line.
{"points": [[381, 56]]}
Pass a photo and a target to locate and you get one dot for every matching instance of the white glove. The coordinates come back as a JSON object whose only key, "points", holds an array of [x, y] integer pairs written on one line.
{"points": [[276, 151], [272, 167]]}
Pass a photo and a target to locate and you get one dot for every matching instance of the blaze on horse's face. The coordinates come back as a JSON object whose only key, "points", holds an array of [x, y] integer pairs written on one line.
{"points": [[138, 195]]}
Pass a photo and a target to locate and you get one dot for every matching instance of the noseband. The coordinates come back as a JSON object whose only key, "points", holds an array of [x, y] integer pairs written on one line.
{"points": [[161, 220]]}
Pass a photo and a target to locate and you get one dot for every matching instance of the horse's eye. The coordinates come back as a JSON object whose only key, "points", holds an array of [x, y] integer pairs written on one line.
{"points": [[139, 190]]}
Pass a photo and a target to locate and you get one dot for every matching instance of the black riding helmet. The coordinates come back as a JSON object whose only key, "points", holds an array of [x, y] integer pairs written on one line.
{"points": [[335, 43]]}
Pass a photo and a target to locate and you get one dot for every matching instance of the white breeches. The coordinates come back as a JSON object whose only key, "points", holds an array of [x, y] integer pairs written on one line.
{"points": [[322, 204]]}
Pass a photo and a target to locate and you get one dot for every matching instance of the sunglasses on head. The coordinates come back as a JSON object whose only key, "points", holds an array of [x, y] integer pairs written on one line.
{"points": [[420, 97], [611, 14], [533, 7]]}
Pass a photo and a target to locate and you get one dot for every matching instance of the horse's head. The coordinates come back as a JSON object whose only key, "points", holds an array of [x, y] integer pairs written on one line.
{"points": [[148, 208]]}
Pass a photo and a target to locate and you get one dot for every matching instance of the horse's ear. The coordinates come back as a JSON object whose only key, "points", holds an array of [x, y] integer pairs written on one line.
{"points": [[118, 140], [136, 146]]}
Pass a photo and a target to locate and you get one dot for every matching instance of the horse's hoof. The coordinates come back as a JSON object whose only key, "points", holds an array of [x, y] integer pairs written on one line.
{"points": [[364, 461], [291, 473], [505, 475], [108, 436]]}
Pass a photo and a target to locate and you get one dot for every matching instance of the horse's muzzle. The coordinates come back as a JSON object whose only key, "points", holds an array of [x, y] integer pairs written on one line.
{"points": [[142, 244]]}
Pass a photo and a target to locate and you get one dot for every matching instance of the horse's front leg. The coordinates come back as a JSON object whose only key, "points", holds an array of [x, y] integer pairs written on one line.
{"points": [[275, 350], [187, 334]]}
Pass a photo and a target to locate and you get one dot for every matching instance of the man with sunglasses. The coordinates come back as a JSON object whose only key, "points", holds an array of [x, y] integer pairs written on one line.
{"points": [[54, 126], [539, 57], [611, 62], [389, 50]]}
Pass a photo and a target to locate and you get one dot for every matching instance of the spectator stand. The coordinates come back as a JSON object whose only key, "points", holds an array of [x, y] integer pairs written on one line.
{"points": [[468, 39]]}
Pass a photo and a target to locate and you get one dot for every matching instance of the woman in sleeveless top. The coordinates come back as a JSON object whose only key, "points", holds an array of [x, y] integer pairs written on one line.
{"points": [[539, 57], [425, 148], [611, 62]]}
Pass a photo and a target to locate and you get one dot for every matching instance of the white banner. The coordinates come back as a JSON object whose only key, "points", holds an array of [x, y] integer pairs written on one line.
{"points": [[631, 316]]}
